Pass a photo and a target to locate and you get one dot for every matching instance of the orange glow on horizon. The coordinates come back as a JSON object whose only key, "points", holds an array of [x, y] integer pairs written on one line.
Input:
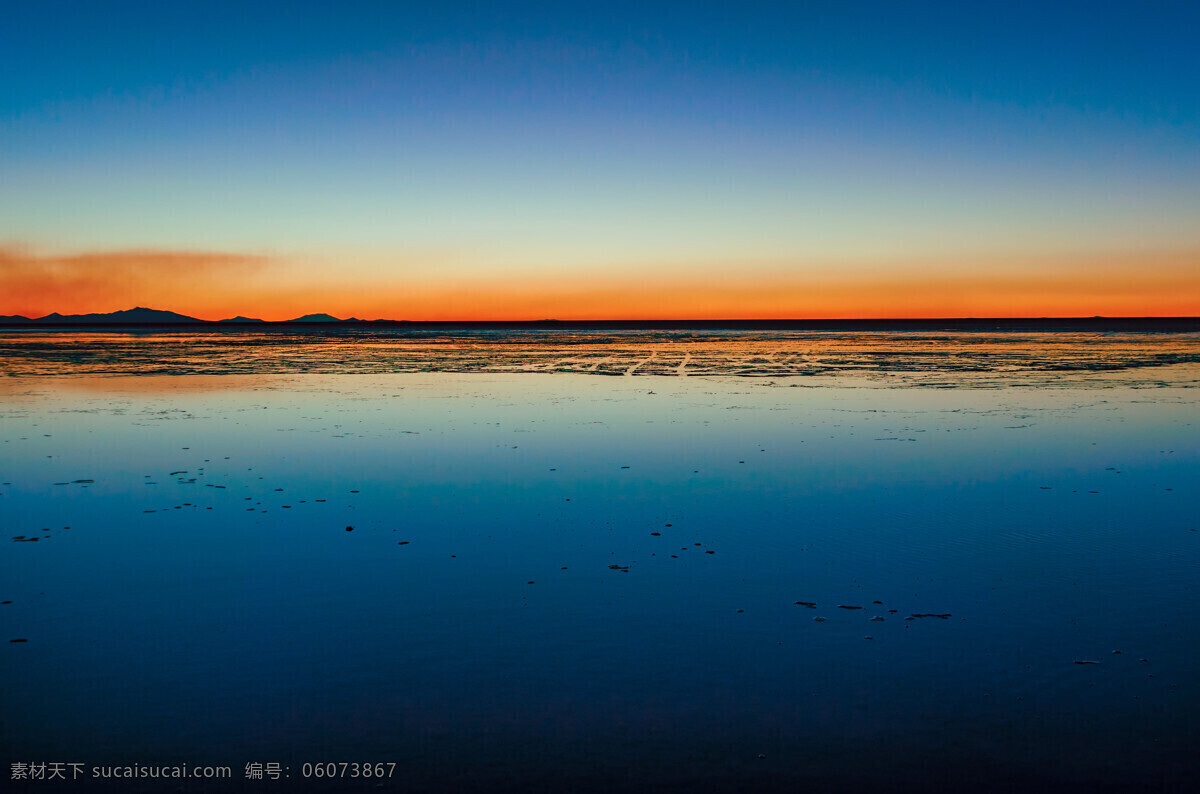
{"points": [[213, 286]]}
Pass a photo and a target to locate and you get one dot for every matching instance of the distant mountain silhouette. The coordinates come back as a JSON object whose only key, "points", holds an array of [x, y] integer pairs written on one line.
{"points": [[142, 315], [138, 315], [316, 318], [150, 317]]}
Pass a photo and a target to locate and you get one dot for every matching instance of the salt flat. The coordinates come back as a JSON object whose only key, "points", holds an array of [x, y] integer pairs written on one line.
{"points": [[1008, 357]]}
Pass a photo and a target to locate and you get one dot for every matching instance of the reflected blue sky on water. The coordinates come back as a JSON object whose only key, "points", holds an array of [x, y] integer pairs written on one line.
{"points": [[207, 603]]}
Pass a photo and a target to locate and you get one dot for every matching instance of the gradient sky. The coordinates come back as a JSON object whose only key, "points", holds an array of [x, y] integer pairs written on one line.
{"points": [[514, 160]]}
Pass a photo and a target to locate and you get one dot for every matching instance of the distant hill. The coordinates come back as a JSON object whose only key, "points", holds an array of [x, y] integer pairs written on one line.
{"points": [[316, 318], [138, 315], [149, 317], [141, 315]]}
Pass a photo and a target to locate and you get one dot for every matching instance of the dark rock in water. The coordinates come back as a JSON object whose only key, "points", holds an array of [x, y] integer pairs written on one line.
{"points": [[19, 639], [844, 606], [930, 615], [818, 620], [5, 602], [349, 529], [656, 533], [1085, 661], [809, 604], [709, 551], [876, 619], [876, 602]]}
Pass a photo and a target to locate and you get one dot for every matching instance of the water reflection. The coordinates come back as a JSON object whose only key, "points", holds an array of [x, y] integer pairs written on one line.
{"points": [[504, 581]]}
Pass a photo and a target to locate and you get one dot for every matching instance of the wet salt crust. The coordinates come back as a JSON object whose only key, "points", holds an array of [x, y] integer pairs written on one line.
{"points": [[978, 356], [593, 584]]}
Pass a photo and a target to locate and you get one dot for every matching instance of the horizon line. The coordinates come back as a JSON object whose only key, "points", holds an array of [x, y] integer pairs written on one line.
{"points": [[319, 319]]}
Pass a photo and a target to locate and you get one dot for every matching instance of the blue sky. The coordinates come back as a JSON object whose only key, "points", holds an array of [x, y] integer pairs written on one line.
{"points": [[441, 154]]}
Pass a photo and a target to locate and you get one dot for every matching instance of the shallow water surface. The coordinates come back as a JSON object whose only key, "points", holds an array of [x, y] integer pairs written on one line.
{"points": [[505, 582]]}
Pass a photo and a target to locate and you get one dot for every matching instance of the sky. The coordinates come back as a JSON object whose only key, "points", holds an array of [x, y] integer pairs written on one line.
{"points": [[625, 160]]}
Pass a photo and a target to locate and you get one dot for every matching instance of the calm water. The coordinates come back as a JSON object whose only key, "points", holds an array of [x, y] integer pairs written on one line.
{"points": [[576, 583]]}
